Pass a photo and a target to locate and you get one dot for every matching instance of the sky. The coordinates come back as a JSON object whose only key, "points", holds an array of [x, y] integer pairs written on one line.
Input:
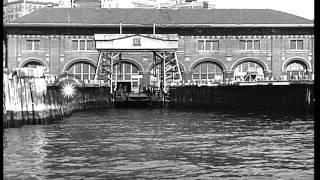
{"points": [[302, 8]]}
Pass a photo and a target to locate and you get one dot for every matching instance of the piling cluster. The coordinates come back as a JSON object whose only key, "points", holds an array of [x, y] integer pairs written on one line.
{"points": [[28, 99]]}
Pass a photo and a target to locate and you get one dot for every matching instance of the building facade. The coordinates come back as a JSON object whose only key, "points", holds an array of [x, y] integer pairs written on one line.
{"points": [[12, 9], [209, 50]]}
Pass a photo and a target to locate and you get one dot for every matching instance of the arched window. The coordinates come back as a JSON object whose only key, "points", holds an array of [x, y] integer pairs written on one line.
{"points": [[295, 70], [33, 64], [248, 71], [123, 71], [126, 72], [207, 72], [81, 70]]}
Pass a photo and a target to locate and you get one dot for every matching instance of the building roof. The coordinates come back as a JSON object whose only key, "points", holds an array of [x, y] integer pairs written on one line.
{"points": [[101, 17], [6, 3]]}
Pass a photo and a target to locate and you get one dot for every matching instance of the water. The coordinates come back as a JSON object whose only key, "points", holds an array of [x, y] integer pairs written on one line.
{"points": [[162, 144]]}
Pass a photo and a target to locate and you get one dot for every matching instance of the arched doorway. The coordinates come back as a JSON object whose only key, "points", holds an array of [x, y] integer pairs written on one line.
{"points": [[296, 70], [126, 74], [248, 71], [81, 70], [207, 71]]}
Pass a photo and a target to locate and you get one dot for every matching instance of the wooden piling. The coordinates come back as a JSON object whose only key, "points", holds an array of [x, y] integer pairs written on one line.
{"points": [[27, 98]]}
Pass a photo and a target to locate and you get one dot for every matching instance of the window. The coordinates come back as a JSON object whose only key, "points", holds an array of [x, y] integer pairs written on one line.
{"points": [[208, 45], [296, 44], [249, 45], [33, 64], [123, 71], [215, 45], [256, 45], [74, 45], [201, 45], [90, 45], [33, 45], [82, 45], [82, 70], [136, 41], [248, 71], [296, 70], [207, 71]]}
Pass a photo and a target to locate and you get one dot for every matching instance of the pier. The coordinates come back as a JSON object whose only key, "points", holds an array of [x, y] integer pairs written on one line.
{"points": [[281, 96], [155, 58], [30, 98]]}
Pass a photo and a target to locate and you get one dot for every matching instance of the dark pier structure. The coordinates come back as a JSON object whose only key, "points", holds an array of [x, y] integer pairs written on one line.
{"points": [[269, 97]]}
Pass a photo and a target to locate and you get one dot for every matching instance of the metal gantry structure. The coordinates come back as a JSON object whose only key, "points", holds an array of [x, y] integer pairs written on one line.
{"points": [[170, 71], [104, 68], [164, 47], [169, 68]]}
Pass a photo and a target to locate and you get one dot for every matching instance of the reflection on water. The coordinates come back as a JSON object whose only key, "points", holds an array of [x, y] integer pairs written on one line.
{"points": [[162, 144]]}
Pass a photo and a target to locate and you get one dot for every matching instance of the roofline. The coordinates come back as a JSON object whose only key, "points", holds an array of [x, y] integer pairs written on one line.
{"points": [[142, 35], [30, 2], [150, 25], [139, 50]]}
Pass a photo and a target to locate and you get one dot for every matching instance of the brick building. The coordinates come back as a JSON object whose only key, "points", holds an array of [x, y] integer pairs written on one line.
{"points": [[213, 45]]}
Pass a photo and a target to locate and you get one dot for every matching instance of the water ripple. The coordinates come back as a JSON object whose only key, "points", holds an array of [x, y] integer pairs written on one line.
{"points": [[162, 144]]}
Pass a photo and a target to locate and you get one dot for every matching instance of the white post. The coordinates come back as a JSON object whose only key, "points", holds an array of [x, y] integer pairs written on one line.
{"points": [[120, 27], [164, 72], [24, 7], [154, 28], [111, 73]]}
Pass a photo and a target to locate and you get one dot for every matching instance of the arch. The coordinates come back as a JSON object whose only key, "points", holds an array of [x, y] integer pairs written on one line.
{"points": [[207, 71], [296, 59], [201, 60], [75, 60], [33, 59], [83, 69], [123, 75], [132, 61], [250, 59]]}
